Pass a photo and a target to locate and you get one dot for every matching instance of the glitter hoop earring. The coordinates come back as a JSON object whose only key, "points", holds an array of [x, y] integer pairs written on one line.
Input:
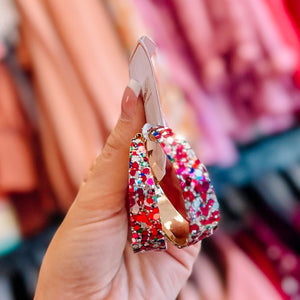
{"points": [[151, 213]]}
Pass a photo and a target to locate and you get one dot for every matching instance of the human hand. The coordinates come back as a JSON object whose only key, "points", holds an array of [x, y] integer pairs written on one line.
{"points": [[90, 256]]}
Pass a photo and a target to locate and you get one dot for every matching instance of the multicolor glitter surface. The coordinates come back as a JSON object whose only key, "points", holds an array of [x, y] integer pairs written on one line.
{"points": [[200, 201], [145, 222]]}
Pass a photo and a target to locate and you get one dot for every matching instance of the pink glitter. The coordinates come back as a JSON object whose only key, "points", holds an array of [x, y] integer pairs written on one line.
{"points": [[150, 181]]}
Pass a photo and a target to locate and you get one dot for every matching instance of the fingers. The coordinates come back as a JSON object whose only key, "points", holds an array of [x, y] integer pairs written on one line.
{"points": [[168, 270], [96, 224], [104, 190]]}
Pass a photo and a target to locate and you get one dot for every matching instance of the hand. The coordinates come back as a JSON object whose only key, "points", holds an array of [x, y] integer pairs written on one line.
{"points": [[90, 256]]}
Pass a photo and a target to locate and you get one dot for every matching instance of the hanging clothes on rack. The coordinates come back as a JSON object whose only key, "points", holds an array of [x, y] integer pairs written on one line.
{"points": [[229, 75], [15, 138], [247, 64], [242, 278], [78, 87], [166, 36]]}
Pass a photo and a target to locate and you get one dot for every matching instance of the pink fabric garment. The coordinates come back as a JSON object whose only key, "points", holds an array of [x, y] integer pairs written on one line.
{"points": [[200, 33], [273, 97], [285, 261], [282, 48], [284, 24], [224, 110], [244, 280], [244, 43], [282, 57], [254, 250], [217, 11], [263, 114], [256, 96], [198, 30], [215, 145]]}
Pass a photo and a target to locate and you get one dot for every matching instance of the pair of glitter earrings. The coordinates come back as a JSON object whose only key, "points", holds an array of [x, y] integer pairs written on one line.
{"points": [[153, 217]]}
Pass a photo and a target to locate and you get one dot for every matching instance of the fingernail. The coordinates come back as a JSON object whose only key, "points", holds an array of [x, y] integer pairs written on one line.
{"points": [[135, 86], [129, 100]]}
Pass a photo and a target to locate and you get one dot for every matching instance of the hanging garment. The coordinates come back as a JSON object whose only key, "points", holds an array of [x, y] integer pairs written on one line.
{"points": [[245, 88], [19, 163], [244, 280], [193, 14], [166, 35], [79, 81], [95, 51], [17, 167]]}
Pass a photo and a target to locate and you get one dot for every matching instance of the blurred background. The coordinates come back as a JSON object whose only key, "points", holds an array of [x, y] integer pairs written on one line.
{"points": [[229, 76]]}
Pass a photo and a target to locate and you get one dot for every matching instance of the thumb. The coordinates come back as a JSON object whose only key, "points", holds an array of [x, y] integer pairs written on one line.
{"points": [[104, 190], [97, 221]]}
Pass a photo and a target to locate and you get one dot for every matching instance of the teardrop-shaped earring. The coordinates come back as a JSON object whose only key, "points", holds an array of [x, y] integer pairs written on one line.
{"points": [[152, 215]]}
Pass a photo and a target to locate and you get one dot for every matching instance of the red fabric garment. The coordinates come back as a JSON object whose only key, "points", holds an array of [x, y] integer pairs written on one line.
{"points": [[293, 7], [31, 214], [287, 28]]}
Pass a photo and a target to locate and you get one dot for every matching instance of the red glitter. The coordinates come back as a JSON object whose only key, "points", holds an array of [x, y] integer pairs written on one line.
{"points": [[150, 200], [146, 171], [154, 231], [184, 162], [194, 227]]}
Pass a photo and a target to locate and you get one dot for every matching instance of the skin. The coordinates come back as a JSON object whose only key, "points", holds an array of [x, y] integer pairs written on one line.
{"points": [[90, 256]]}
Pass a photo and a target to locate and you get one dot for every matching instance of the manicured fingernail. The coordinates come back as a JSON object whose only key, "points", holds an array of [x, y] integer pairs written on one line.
{"points": [[135, 86], [129, 102]]}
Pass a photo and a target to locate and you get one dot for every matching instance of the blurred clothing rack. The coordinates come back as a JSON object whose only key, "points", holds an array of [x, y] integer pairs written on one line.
{"points": [[229, 75]]}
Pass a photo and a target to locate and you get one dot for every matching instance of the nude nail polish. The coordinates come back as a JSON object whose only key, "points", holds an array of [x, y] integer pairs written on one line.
{"points": [[129, 100]]}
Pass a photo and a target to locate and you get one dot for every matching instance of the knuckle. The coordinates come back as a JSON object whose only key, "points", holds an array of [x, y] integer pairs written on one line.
{"points": [[113, 144]]}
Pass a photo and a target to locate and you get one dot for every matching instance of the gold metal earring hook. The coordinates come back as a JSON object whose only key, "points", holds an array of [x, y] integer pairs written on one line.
{"points": [[174, 225]]}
